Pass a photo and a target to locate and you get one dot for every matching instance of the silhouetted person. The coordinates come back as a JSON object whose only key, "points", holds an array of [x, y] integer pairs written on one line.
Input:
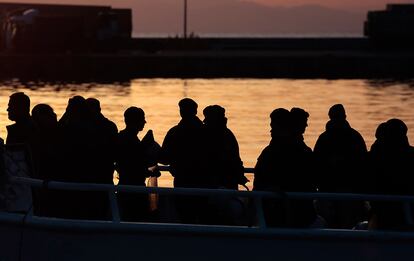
{"points": [[391, 163], [284, 166], [225, 168], [77, 141], [3, 179], [45, 120], [75, 112], [23, 131], [184, 150], [24, 135], [341, 154], [48, 164], [132, 166], [103, 139], [299, 123]]}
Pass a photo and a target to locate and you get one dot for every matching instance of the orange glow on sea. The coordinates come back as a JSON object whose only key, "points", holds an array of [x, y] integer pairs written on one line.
{"points": [[248, 103]]}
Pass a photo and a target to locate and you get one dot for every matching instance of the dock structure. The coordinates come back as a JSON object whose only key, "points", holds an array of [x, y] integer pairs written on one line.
{"points": [[27, 27], [76, 42]]}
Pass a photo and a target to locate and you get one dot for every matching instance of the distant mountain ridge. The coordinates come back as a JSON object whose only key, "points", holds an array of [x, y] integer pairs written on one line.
{"points": [[164, 17], [246, 18]]}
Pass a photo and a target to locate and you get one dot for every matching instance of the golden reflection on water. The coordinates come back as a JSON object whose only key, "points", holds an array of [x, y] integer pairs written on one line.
{"points": [[248, 103]]}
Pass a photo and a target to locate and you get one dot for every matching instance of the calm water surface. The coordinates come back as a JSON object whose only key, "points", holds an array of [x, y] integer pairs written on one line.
{"points": [[248, 103]]}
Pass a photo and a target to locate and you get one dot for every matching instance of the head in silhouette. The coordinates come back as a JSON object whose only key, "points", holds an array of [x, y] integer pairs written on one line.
{"points": [[75, 103], [337, 113], [188, 108], [93, 107], [76, 108], [214, 116], [19, 107], [44, 117], [396, 133], [381, 131], [299, 118], [134, 119], [280, 122]]}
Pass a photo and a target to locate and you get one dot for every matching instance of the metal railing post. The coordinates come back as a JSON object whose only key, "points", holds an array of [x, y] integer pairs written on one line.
{"points": [[259, 212], [408, 213], [114, 206]]}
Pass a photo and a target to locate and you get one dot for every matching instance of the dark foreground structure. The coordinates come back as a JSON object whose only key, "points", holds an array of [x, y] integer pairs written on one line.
{"points": [[94, 42]]}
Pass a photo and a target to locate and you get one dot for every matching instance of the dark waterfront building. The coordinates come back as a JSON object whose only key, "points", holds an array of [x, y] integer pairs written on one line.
{"points": [[391, 27], [47, 27]]}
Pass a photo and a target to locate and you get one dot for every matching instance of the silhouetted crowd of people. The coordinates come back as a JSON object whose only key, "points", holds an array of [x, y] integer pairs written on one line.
{"points": [[84, 146]]}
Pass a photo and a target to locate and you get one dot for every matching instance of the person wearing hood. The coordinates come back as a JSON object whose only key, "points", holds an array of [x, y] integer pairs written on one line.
{"points": [[341, 153]]}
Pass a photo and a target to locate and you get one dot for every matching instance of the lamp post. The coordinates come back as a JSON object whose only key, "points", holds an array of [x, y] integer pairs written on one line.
{"points": [[185, 19]]}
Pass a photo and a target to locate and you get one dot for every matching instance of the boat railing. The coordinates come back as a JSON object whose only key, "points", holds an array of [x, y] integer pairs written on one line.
{"points": [[255, 196]]}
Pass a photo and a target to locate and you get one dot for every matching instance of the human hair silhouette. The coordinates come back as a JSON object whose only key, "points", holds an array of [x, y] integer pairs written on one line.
{"points": [[93, 105], [44, 117], [18, 107], [75, 103], [214, 115], [396, 132], [337, 112], [188, 108], [299, 120], [381, 131], [134, 119], [280, 120], [75, 112]]}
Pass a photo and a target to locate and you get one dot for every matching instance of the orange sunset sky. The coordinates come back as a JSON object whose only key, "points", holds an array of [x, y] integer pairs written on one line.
{"points": [[246, 17]]}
